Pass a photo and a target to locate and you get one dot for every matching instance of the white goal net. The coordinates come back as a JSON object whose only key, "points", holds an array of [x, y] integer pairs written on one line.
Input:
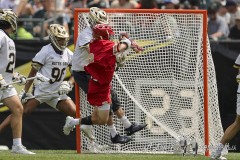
{"points": [[162, 86]]}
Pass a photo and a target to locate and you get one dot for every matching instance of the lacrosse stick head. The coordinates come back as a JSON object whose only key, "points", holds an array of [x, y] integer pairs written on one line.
{"points": [[59, 36], [102, 31]]}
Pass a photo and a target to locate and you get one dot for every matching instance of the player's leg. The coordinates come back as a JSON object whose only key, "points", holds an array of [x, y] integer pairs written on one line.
{"points": [[67, 106], [115, 136], [12, 101], [28, 108], [130, 128], [230, 132]]}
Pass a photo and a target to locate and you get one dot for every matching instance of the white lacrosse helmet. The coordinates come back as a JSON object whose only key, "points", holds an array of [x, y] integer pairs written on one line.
{"points": [[7, 15], [58, 36], [97, 16]]}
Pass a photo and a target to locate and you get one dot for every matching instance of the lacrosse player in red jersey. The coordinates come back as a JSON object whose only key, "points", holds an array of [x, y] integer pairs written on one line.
{"points": [[81, 59], [8, 94], [103, 55]]}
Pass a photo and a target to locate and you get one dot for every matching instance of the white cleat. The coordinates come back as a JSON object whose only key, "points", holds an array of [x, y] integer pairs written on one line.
{"points": [[88, 131], [20, 150], [68, 127], [217, 156]]}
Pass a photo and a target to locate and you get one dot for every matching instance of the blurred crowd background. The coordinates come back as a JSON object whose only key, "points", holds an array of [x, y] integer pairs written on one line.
{"points": [[36, 15]]}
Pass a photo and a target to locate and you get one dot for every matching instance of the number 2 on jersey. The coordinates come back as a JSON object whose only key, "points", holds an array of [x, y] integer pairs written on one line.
{"points": [[11, 63]]}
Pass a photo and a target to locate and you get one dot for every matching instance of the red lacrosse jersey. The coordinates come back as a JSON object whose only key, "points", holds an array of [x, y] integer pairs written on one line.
{"points": [[101, 70]]}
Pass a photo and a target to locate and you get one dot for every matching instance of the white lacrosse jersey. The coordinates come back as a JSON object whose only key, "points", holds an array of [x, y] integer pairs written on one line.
{"points": [[53, 67], [80, 56], [7, 56], [237, 65]]}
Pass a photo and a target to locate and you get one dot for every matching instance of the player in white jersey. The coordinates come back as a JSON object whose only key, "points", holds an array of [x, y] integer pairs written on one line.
{"points": [[81, 59], [234, 128], [8, 94], [51, 61]]}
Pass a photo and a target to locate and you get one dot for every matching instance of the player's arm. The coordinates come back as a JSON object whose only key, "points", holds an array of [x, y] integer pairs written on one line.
{"points": [[35, 68]]}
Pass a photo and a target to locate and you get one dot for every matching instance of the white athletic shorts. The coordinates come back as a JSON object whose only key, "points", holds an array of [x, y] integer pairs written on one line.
{"points": [[104, 107], [8, 92], [238, 104], [52, 100]]}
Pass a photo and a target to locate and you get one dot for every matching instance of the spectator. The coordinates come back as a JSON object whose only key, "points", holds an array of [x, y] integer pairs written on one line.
{"points": [[217, 26], [190, 4], [22, 33], [171, 4], [8, 4], [234, 11], [126, 4], [222, 12], [147, 4], [235, 30], [98, 3]]}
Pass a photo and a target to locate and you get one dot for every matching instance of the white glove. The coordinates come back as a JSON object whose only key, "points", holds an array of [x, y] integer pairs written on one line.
{"points": [[134, 44], [65, 88], [24, 97], [238, 78], [3, 84], [18, 77], [121, 59]]}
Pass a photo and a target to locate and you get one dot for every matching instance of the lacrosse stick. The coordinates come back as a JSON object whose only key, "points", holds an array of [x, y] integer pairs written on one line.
{"points": [[42, 95], [38, 76]]}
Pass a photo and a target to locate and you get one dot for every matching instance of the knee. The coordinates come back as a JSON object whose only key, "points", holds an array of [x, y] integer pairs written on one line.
{"points": [[18, 110]]}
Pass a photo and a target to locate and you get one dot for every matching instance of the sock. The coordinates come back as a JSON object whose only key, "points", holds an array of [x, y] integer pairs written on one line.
{"points": [[125, 122], [112, 130], [87, 120], [17, 141], [75, 122]]}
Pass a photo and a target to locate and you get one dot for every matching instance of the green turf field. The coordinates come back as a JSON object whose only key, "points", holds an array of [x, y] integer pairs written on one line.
{"points": [[71, 155]]}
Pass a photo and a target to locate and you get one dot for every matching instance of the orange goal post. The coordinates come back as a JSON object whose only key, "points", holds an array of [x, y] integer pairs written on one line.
{"points": [[171, 85]]}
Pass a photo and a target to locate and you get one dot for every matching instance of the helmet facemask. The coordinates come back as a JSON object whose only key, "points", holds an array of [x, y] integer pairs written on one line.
{"points": [[58, 36], [10, 17], [97, 16]]}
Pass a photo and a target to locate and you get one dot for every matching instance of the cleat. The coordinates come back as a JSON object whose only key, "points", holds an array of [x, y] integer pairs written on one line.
{"points": [[134, 128], [20, 150], [68, 127], [120, 139], [87, 130], [217, 156]]}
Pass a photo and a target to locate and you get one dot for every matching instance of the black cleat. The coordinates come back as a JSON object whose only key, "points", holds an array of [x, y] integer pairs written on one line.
{"points": [[120, 139], [134, 128]]}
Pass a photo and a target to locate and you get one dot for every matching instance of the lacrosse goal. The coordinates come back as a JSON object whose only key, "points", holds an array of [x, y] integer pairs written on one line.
{"points": [[171, 85]]}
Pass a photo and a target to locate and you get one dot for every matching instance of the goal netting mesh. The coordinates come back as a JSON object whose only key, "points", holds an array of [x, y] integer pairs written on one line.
{"points": [[161, 86]]}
